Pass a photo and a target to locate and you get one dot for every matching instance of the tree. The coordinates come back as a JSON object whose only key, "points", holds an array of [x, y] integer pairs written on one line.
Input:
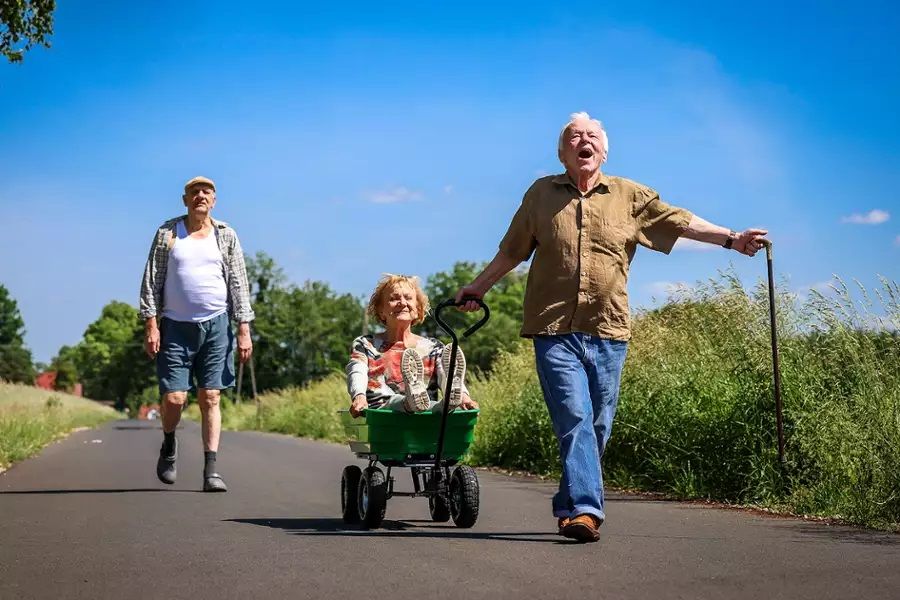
{"points": [[263, 274], [65, 363], [504, 300], [23, 24], [110, 359], [15, 358], [301, 333]]}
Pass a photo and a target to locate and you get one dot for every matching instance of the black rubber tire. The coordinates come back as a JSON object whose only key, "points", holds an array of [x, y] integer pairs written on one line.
{"points": [[464, 496], [372, 498], [349, 488], [439, 507]]}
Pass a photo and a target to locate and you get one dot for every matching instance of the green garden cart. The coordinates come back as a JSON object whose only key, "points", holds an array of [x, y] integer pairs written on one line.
{"points": [[429, 444]]}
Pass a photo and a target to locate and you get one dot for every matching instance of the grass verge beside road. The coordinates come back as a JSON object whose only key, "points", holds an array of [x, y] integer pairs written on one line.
{"points": [[31, 418]]}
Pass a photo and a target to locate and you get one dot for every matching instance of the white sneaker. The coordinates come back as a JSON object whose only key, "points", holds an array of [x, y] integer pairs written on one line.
{"points": [[413, 372], [459, 375]]}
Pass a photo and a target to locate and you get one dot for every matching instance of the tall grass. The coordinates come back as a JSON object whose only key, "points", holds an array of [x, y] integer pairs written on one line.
{"points": [[696, 413], [31, 418], [309, 411]]}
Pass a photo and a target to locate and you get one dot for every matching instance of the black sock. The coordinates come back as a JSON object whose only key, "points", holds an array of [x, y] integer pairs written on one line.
{"points": [[210, 466], [168, 441]]}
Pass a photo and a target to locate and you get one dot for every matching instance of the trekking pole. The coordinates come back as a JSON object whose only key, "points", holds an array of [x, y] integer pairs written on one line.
{"points": [[253, 391], [779, 417], [239, 381]]}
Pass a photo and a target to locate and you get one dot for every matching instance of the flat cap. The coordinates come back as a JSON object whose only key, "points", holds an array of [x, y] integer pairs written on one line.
{"points": [[198, 180]]}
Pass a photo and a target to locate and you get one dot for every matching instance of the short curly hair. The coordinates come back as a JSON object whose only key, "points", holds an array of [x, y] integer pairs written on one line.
{"points": [[386, 284]]}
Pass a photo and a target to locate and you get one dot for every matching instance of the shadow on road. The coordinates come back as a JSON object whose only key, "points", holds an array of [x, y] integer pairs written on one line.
{"points": [[103, 491], [143, 426], [400, 529], [837, 533]]}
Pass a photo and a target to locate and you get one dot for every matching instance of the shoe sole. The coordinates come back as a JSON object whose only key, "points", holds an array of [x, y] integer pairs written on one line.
{"points": [[581, 533], [458, 376], [413, 371]]}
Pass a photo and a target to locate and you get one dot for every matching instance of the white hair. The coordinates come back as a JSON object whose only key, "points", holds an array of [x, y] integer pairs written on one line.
{"points": [[583, 116]]}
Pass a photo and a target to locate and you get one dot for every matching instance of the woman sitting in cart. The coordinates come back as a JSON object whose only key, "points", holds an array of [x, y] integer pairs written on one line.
{"points": [[398, 369]]}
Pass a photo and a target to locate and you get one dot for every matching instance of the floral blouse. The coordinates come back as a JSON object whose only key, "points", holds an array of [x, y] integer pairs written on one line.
{"points": [[374, 368]]}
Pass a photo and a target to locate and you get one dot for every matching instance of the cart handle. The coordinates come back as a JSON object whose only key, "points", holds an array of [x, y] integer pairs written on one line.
{"points": [[452, 302]]}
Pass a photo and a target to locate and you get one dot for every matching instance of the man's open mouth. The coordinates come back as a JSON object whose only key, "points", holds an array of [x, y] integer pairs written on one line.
{"points": [[586, 153]]}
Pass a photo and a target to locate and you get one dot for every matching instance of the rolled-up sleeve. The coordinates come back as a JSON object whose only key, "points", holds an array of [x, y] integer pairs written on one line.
{"points": [[519, 241], [659, 225], [151, 287], [240, 285]]}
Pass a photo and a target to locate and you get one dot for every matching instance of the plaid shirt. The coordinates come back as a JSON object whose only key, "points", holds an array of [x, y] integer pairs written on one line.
{"points": [[235, 272]]}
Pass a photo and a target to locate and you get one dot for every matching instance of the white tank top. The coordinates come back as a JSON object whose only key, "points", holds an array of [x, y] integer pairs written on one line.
{"points": [[195, 280]]}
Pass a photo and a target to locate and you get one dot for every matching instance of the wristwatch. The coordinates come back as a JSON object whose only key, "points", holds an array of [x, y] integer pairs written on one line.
{"points": [[731, 237]]}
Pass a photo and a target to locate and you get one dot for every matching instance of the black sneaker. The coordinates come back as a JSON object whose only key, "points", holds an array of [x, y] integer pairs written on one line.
{"points": [[165, 466], [214, 483]]}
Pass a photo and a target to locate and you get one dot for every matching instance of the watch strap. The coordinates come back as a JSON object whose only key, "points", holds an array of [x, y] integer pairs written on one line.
{"points": [[731, 237]]}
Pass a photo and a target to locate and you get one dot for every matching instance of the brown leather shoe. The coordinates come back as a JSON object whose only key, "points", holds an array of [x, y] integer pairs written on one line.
{"points": [[561, 524], [583, 528]]}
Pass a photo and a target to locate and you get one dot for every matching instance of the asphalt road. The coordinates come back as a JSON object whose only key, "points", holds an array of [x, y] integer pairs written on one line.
{"points": [[88, 519]]}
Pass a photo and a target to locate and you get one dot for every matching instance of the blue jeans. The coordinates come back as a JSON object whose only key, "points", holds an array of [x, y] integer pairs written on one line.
{"points": [[580, 375]]}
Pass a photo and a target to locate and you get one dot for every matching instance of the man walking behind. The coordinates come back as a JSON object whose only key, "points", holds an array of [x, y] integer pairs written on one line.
{"points": [[195, 283], [583, 227]]}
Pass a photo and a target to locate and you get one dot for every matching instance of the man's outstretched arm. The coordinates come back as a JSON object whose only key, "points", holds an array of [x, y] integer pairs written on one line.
{"points": [[746, 242], [499, 266]]}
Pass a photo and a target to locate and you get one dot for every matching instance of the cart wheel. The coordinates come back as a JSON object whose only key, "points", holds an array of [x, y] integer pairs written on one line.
{"points": [[349, 486], [439, 508], [372, 497], [464, 496]]}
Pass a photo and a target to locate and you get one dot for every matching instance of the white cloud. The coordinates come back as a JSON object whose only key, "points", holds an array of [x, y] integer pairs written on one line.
{"points": [[667, 288], [873, 217], [688, 245], [394, 195], [822, 287], [448, 189]]}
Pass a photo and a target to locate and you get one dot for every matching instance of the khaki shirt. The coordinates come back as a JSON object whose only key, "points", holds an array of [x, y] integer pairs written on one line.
{"points": [[583, 246]]}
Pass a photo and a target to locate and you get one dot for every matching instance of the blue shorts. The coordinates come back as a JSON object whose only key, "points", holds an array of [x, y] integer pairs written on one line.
{"points": [[201, 351]]}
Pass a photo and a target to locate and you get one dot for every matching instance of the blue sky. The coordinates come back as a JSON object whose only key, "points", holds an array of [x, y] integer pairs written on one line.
{"points": [[350, 139]]}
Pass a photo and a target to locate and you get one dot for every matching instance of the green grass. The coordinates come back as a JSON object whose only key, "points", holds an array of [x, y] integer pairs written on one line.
{"points": [[309, 411], [696, 413], [31, 418]]}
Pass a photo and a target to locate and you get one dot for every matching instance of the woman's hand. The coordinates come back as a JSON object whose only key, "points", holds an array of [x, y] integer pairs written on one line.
{"points": [[359, 405], [467, 403]]}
